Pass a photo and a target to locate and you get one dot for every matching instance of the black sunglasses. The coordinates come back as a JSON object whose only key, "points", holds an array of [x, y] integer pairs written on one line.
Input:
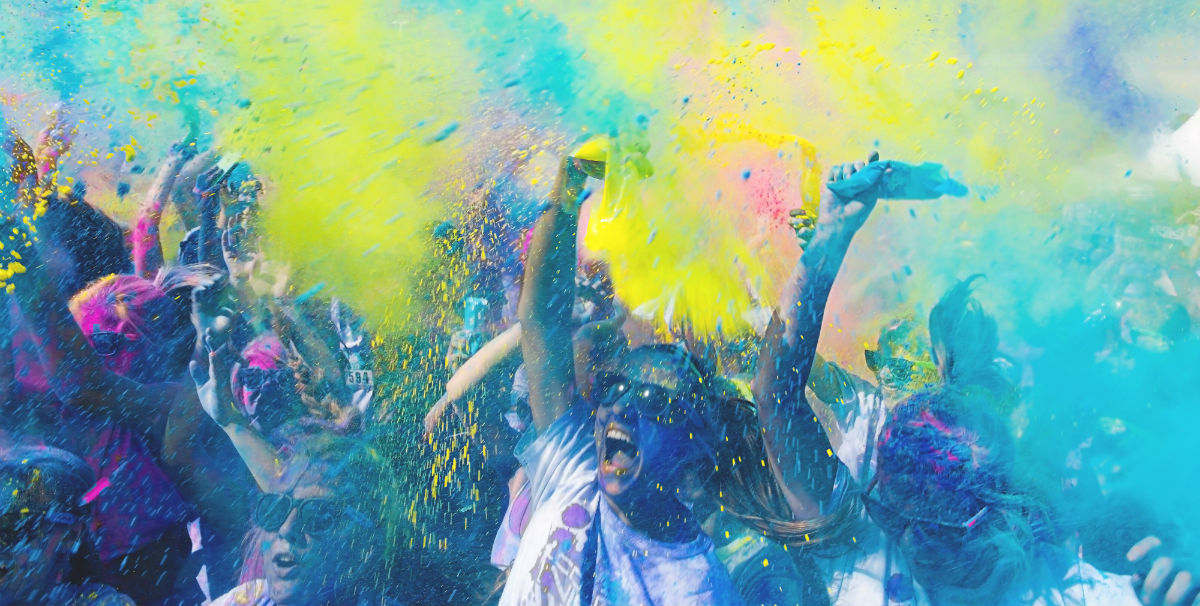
{"points": [[651, 401], [316, 516], [109, 344], [894, 522], [256, 378]]}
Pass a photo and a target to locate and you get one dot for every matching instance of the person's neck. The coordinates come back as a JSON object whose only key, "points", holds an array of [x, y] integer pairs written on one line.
{"points": [[658, 515]]}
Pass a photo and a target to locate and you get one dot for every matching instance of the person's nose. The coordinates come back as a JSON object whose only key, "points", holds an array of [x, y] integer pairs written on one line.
{"points": [[618, 408], [291, 530]]}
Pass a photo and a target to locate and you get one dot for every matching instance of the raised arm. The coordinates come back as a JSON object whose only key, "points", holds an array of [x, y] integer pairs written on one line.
{"points": [[264, 461], [147, 242], [53, 143], [472, 372], [796, 444], [547, 297]]}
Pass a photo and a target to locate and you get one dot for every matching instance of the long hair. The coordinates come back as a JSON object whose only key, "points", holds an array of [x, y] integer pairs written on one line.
{"points": [[319, 380], [745, 486], [965, 347]]}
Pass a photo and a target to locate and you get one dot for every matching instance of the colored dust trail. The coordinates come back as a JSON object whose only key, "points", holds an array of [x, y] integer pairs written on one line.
{"points": [[372, 124], [351, 115]]}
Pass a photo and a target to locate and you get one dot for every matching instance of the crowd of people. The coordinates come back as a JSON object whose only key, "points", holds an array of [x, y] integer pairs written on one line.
{"points": [[186, 429]]}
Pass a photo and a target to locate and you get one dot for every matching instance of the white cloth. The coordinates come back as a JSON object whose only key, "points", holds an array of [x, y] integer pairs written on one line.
{"points": [[1084, 585], [628, 569]]}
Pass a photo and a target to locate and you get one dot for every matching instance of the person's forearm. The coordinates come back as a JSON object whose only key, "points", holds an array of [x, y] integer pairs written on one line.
{"points": [[262, 459], [791, 341], [479, 365], [147, 243], [547, 298], [796, 443]]}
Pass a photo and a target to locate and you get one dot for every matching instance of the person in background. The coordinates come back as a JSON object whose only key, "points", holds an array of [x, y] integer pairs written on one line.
{"points": [[324, 530], [45, 521]]}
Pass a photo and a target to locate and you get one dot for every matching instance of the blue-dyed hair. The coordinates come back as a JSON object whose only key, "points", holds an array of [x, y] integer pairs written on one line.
{"points": [[945, 454]]}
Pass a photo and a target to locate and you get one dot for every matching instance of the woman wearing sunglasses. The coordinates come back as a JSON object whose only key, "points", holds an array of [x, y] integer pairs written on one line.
{"points": [[607, 526], [323, 529], [945, 490]]}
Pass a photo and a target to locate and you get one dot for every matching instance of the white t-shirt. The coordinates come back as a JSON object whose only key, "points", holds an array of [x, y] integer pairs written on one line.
{"points": [[623, 566], [872, 573], [1084, 585]]}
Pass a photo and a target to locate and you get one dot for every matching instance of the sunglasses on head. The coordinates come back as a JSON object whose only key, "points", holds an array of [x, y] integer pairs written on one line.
{"points": [[257, 378], [315, 516], [108, 344], [901, 368], [894, 522]]}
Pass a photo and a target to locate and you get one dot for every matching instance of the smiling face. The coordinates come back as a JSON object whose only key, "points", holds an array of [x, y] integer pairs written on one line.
{"points": [[645, 423]]}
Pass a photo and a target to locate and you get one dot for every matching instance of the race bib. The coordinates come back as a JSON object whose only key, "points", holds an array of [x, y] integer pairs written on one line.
{"points": [[360, 378]]}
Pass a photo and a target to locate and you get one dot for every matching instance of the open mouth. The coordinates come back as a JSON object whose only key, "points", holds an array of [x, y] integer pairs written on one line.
{"points": [[620, 451], [285, 564]]}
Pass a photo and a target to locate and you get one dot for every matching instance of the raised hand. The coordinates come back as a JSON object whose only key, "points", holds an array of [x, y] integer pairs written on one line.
{"points": [[52, 142], [213, 385], [804, 223], [1164, 581], [847, 213]]}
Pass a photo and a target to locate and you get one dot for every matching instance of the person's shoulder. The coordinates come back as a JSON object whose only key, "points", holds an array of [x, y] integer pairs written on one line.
{"points": [[246, 594], [577, 418]]}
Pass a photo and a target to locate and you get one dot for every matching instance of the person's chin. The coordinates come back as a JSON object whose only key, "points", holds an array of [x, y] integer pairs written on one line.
{"points": [[285, 585], [618, 480], [284, 592]]}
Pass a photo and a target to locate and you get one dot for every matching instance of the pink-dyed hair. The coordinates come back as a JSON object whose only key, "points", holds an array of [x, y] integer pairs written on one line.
{"points": [[266, 351], [120, 299]]}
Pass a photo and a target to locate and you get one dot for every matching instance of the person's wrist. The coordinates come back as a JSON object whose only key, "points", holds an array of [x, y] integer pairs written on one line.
{"points": [[832, 234]]}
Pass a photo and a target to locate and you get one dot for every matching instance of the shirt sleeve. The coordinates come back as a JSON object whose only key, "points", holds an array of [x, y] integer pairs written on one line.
{"points": [[851, 410], [563, 457]]}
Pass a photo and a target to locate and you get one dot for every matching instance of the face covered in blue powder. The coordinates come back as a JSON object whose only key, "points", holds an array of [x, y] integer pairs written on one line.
{"points": [[648, 429]]}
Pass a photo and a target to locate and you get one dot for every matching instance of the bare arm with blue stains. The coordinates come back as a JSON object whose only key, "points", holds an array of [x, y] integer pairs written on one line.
{"points": [[796, 443], [547, 298], [147, 241]]}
